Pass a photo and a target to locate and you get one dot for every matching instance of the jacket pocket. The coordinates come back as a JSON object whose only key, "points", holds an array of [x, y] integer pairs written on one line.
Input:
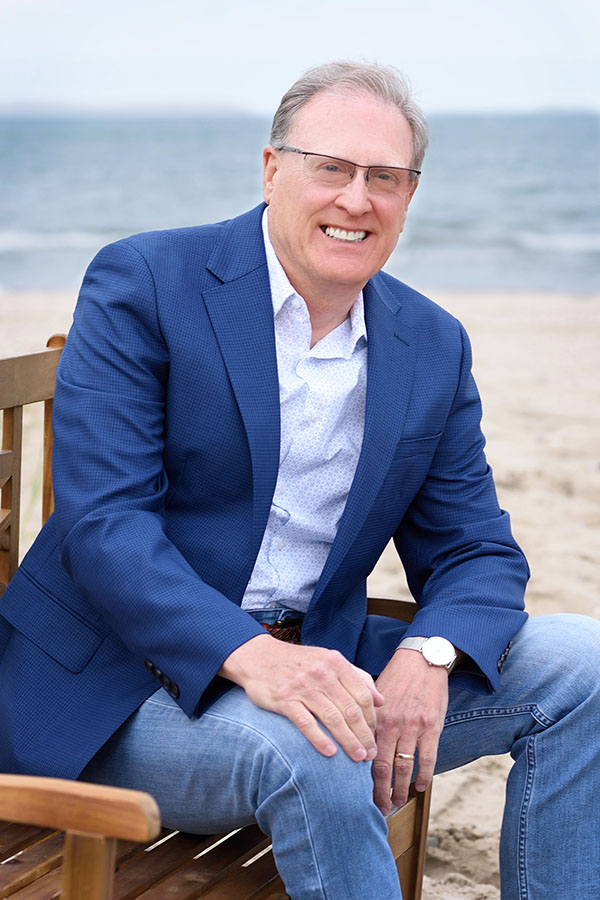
{"points": [[416, 446], [42, 619]]}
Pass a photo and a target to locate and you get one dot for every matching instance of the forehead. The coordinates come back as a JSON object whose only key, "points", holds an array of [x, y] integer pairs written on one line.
{"points": [[355, 126]]}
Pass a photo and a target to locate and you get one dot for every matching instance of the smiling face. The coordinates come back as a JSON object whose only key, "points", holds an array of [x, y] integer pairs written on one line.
{"points": [[307, 218]]}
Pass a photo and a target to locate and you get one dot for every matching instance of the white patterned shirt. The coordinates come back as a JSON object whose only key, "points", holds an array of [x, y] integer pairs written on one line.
{"points": [[322, 402]]}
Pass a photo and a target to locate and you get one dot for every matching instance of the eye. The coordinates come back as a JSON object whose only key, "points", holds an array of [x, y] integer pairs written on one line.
{"points": [[386, 176], [331, 167], [328, 169]]}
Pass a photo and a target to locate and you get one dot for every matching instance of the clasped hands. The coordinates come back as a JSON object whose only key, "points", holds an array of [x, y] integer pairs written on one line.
{"points": [[402, 713]]}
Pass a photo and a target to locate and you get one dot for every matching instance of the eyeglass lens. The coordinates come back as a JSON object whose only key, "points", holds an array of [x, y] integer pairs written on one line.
{"points": [[330, 170]]}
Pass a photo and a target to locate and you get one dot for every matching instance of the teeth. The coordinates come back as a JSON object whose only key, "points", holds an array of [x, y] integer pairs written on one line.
{"points": [[341, 235]]}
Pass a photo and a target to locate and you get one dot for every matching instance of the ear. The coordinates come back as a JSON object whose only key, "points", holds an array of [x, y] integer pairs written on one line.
{"points": [[412, 193], [406, 201], [405, 204], [270, 167]]}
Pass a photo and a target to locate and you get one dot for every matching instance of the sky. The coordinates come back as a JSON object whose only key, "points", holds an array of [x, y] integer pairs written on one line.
{"points": [[472, 55]]}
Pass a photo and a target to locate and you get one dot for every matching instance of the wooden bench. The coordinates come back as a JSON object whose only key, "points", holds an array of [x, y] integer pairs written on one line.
{"points": [[88, 842]]}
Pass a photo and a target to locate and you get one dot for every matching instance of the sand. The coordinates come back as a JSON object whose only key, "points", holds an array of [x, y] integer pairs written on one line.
{"points": [[535, 360]]}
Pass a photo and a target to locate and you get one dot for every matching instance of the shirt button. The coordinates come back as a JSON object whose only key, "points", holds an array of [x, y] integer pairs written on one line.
{"points": [[297, 303], [280, 544]]}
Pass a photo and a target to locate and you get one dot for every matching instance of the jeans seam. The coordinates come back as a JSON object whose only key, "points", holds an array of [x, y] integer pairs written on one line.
{"points": [[292, 780], [523, 817], [498, 712], [542, 718], [545, 721]]}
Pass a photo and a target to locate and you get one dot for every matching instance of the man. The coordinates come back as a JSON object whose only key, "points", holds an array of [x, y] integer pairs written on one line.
{"points": [[245, 414]]}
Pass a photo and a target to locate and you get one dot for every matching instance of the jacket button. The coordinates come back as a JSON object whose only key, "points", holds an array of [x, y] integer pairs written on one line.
{"points": [[173, 691], [149, 665], [502, 659]]}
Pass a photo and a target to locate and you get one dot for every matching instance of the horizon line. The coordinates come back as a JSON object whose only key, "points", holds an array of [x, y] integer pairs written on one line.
{"points": [[55, 110]]}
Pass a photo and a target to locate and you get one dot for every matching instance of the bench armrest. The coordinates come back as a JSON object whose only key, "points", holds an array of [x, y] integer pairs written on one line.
{"points": [[91, 809], [396, 609]]}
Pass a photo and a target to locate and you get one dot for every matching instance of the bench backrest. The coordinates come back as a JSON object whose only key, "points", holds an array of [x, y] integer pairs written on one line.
{"points": [[24, 379]]}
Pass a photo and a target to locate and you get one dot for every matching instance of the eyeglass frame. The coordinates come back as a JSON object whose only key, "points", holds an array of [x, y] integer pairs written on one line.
{"points": [[356, 166]]}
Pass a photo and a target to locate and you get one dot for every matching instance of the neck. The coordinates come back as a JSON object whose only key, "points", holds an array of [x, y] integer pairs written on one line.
{"points": [[326, 315]]}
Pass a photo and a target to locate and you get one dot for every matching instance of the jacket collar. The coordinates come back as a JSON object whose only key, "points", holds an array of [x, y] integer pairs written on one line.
{"points": [[240, 248]]}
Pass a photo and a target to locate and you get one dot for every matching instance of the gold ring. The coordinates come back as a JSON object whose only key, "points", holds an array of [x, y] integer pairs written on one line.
{"points": [[405, 756]]}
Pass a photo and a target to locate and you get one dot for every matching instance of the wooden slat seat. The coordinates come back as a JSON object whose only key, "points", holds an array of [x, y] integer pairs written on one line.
{"points": [[69, 840], [171, 865]]}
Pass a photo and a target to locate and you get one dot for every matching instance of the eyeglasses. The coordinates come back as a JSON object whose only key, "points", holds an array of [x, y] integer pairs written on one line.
{"points": [[340, 172]]}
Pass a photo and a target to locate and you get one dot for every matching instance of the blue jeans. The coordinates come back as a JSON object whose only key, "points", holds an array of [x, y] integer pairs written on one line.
{"points": [[238, 764]]}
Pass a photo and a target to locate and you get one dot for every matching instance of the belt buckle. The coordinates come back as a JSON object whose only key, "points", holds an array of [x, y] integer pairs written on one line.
{"points": [[287, 630]]}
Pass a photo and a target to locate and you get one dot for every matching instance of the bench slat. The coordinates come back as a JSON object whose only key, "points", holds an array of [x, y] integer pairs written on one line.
{"points": [[407, 866], [15, 837], [5, 519], [29, 377], [198, 875], [32, 863], [274, 891], [401, 834], [247, 883], [145, 869], [7, 461], [48, 887]]}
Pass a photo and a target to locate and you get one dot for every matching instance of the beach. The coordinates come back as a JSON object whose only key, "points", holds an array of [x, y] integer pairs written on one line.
{"points": [[535, 361]]}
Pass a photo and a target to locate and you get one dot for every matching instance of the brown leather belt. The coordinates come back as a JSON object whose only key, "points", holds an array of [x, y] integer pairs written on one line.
{"points": [[285, 630]]}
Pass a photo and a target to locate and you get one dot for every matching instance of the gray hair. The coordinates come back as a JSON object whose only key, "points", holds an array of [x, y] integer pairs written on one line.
{"points": [[384, 82]]}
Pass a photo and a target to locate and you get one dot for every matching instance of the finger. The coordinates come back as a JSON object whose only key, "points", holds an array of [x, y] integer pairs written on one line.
{"points": [[344, 719], [342, 698], [361, 687], [382, 772], [378, 698], [403, 770], [428, 749], [305, 722]]}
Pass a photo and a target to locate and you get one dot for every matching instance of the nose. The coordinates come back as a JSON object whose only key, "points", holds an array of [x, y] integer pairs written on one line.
{"points": [[354, 197]]}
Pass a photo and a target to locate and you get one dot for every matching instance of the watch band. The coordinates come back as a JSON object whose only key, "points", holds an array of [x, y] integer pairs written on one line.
{"points": [[412, 643], [437, 651]]}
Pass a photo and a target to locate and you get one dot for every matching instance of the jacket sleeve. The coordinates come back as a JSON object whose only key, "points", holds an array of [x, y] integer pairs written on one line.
{"points": [[463, 565], [110, 483]]}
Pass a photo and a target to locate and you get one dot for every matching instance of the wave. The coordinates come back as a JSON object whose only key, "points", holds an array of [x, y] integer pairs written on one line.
{"points": [[560, 242], [22, 241]]}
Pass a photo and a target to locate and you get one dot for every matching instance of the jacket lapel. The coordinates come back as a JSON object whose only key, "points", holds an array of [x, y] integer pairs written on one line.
{"points": [[241, 313], [391, 362]]}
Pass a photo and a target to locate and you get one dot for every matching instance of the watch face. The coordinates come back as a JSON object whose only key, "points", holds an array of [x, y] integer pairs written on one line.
{"points": [[438, 651]]}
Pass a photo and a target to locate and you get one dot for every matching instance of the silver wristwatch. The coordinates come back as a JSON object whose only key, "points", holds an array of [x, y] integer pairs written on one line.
{"points": [[437, 651]]}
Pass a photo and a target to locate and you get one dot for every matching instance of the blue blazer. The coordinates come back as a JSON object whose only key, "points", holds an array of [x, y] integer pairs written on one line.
{"points": [[166, 453]]}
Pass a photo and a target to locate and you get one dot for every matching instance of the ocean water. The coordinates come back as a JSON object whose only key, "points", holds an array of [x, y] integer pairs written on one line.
{"points": [[505, 201]]}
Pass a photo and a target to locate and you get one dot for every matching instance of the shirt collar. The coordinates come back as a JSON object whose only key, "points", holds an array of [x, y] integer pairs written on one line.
{"points": [[282, 290]]}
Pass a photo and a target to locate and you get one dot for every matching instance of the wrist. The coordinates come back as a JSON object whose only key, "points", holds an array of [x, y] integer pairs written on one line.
{"points": [[238, 665]]}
